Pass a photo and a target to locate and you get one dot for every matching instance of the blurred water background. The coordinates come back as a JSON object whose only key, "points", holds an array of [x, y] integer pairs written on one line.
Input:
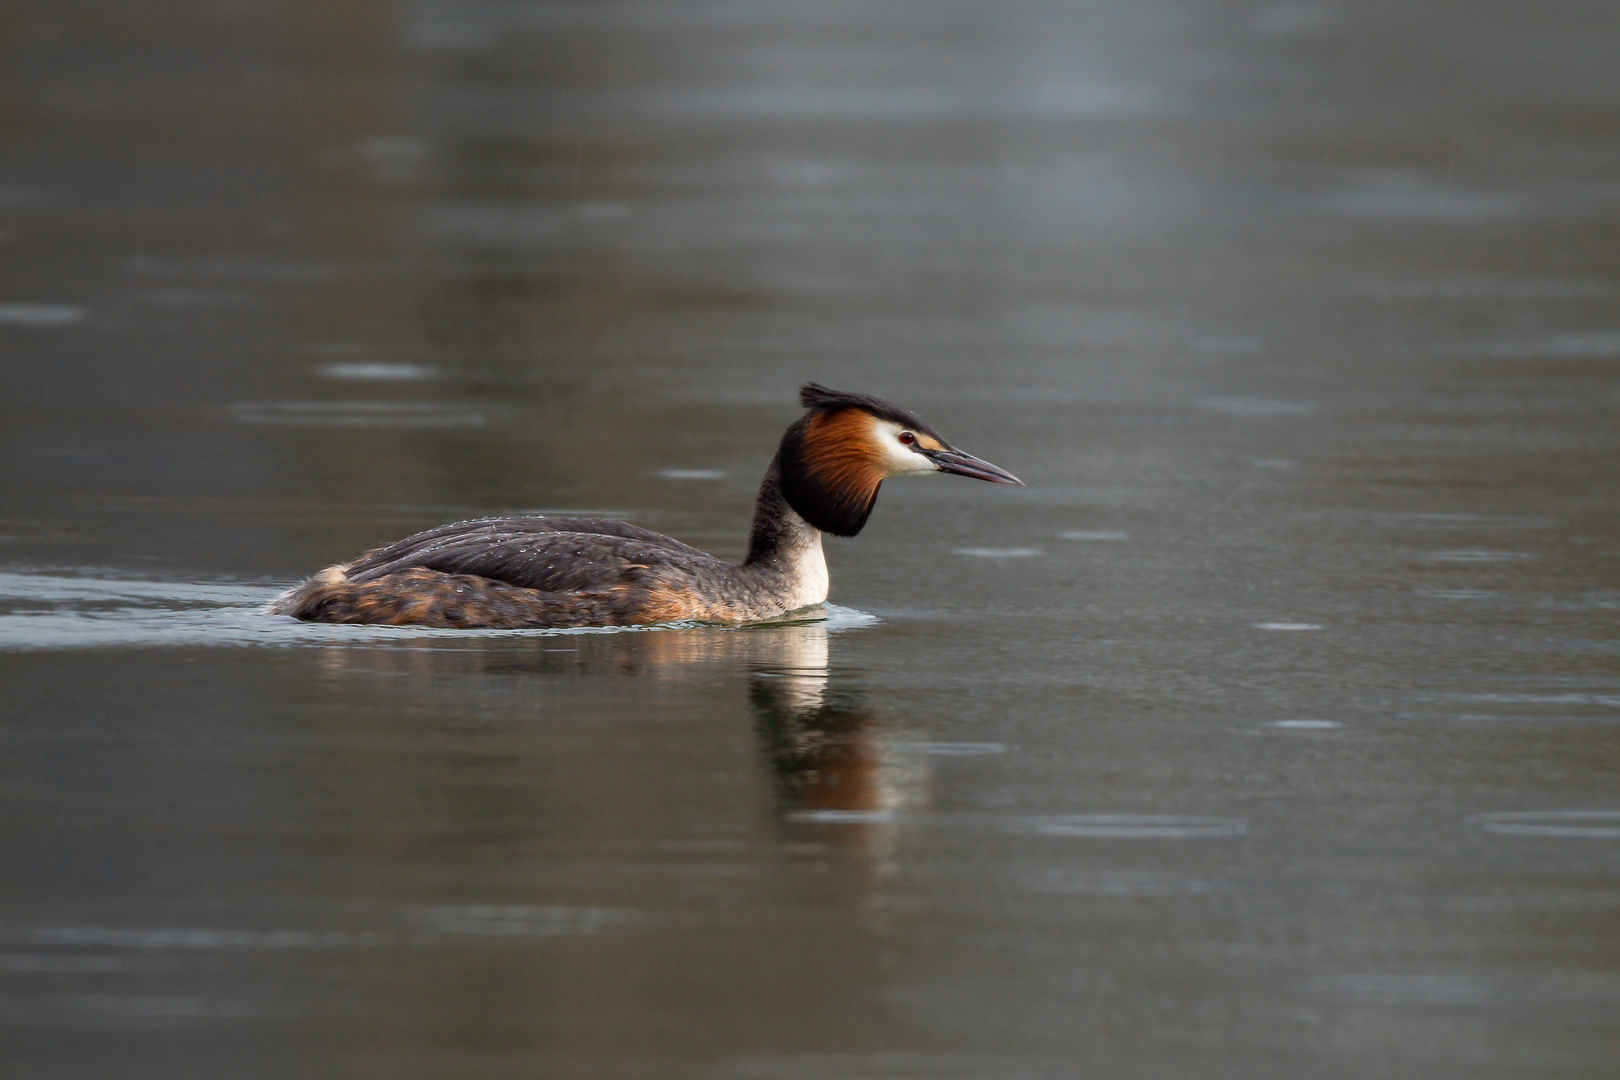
{"points": [[1271, 732]]}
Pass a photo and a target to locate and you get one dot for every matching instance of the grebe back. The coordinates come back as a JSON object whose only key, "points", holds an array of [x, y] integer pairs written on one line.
{"points": [[519, 572]]}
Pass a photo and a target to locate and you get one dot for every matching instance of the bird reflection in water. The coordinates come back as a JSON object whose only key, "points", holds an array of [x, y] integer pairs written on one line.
{"points": [[836, 768], [842, 778]]}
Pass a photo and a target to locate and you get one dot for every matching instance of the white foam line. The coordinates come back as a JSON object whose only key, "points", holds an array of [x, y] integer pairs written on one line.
{"points": [[370, 371], [951, 749], [1563, 824], [844, 817], [692, 474], [1138, 826]]}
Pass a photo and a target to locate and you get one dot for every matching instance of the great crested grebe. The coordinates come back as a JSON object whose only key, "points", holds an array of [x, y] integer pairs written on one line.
{"points": [[518, 572]]}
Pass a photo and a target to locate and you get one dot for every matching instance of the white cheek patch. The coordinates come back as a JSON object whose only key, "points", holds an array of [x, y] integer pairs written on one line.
{"points": [[898, 458]]}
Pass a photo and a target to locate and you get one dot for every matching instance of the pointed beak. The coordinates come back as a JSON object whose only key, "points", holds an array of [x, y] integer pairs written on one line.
{"points": [[954, 461]]}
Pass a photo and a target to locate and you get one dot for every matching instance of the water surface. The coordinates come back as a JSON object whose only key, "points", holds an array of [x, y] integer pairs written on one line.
{"points": [[1271, 731]]}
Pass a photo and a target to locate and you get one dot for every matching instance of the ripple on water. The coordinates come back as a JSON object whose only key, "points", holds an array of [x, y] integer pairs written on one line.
{"points": [[1560, 698], [844, 817], [413, 925], [1478, 556], [1225, 346], [1122, 883], [1287, 626], [447, 34], [951, 749], [692, 474], [64, 611], [79, 963], [176, 938], [1559, 346], [237, 267], [1563, 824], [367, 371], [360, 414], [1305, 725], [1488, 288], [1395, 195], [523, 920], [393, 159], [839, 617], [897, 1066], [1138, 826], [1257, 407], [998, 553], [1388, 988], [1100, 536], [40, 315], [48, 611], [132, 1012], [1466, 522]]}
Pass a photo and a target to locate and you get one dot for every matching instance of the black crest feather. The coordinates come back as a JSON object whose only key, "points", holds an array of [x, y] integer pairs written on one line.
{"points": [[818, 398]]}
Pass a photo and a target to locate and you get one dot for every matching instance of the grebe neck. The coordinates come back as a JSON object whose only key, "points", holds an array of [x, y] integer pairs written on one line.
{"points": [[782, 545]]}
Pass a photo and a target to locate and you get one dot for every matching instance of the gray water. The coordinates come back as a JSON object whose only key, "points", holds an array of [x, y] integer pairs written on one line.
{"points": [[1272, 731]]}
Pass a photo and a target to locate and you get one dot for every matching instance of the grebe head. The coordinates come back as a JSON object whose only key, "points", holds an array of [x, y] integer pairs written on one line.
{"points": [[834, 459]]}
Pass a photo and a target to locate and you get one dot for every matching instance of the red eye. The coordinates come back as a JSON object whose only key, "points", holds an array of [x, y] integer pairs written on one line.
{"points": [[907, 437]]}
